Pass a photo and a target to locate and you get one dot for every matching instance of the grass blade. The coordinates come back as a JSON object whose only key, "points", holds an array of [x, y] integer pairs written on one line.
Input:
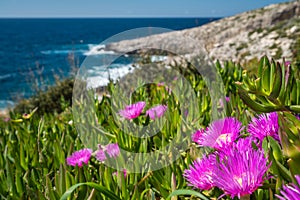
{"points": [[100, 188], [187, 192]]}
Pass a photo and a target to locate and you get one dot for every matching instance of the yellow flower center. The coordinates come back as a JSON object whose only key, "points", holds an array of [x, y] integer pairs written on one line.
{"points": [[223, 138], [239, 179]]}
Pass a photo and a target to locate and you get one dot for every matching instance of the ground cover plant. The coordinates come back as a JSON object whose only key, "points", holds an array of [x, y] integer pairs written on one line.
{"points": [[251, 151]]}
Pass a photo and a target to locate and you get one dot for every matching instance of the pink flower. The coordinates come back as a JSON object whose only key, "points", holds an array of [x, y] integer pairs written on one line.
{"points": [[133, 111], [287, 63], [7, 119], [112, 150], [160, 84], [169, 90], [200, 172], [124, 173], [197, 135], [243, 144], [220, 133], [79, 157], [240, 172], [186, 112], [265, 125], [100, 155], [157, 111], [227, 99], [291, 191]]}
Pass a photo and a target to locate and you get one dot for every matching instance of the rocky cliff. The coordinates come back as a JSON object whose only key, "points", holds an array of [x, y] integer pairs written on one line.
{"points": [[273, 31]]}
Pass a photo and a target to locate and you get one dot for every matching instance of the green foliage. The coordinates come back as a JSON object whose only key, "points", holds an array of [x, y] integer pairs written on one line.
{"points": [[35, 146], [33, 160], [275, 87], [187, 192], [55, 99]]}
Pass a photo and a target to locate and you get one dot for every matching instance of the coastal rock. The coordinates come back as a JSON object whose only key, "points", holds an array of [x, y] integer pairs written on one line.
{"points": [[272, 31]]}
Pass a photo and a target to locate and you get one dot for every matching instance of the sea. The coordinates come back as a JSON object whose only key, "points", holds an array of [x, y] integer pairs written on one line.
{"points": [[35, 51]]}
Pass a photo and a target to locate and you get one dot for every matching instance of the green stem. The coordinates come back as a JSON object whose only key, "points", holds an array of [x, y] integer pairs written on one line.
{"points": [[245, 197]]}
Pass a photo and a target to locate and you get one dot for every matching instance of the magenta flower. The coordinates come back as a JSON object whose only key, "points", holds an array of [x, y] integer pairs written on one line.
{"points": [[124, 173], [112, 150], [186, 112], [200, 172], [79, 157], [133, 111], [7, 119], [160, 84], [157, 111], [290, 192], [265, 125], [242, 144], [287, 63], [169, 90], [239, 173], [197, 135], [100, 155], [220, 133], [227, 99]]}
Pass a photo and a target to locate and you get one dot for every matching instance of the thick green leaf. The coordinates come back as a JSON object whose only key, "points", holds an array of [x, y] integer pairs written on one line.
{"points": [[9, 175], [256, 106], [260, 194], [266, 78], [187, 192], [277, 151], [295, 108], [294, 166], [50, 190], [284, 172], [62, 178], [23, 162], [264, 61], [272, 73], [100, 188], [277, 84], [19, 184]]}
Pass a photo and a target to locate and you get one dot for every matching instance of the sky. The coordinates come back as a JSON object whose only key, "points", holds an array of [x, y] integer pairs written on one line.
{"points": [[129, 8]]}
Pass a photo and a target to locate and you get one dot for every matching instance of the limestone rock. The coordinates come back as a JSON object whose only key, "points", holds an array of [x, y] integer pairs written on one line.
{"points": [[271, 31]]}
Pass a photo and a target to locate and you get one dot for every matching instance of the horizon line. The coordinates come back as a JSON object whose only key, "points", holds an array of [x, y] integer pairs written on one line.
{"points": [[103, 17]]}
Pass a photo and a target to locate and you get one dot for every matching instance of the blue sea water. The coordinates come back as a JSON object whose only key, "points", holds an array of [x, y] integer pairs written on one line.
{"points": [[33, 50]]}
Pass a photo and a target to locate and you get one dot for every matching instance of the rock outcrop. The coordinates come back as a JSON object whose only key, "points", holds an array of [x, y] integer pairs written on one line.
{"points": [[272, 31]]}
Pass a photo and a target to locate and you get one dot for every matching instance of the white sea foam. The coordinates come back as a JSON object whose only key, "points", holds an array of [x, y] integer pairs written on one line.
{"points": [[97, 50], [99, 75], [86, 49], [5, 76], [4, 104], [49, 52], [158, 58]]}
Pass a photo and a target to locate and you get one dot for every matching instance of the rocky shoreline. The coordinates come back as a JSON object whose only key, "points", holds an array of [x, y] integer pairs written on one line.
{"points": [[273, 31]]}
